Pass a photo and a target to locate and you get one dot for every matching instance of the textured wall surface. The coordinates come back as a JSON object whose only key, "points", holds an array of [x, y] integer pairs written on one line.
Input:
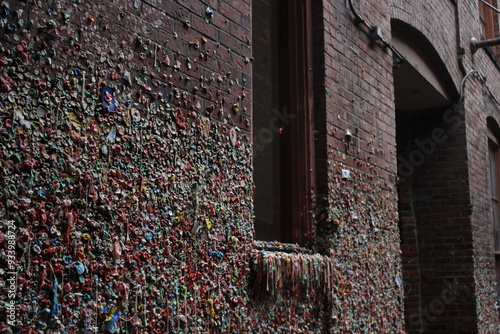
{"points": [[125, 165], [126, 171], [449, 26], [481, 101]]}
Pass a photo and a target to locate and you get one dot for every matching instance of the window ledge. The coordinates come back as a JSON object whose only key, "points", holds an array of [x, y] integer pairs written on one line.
{"points": [[278, 267], [276, 246]]}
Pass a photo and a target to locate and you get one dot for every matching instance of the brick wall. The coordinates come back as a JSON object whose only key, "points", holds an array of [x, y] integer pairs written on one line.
{"points": [[436, 238], [450, 34], [479, 106], [125, 205], [126, 174], [354, 95]]}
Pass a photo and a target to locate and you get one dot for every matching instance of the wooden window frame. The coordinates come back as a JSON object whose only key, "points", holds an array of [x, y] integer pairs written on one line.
{"points": [[495, 200], [494, 149], [301, 148], [298, 181], [489, 22]]}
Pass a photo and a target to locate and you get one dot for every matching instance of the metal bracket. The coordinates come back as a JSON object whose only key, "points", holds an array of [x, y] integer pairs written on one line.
{"points": [[475, 44]]}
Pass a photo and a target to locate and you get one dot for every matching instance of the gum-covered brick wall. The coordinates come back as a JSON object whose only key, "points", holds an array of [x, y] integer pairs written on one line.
{"points": [[124, 166]]}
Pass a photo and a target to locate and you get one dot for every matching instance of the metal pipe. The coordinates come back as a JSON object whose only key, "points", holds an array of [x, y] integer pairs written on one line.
{"points": [[375, 34], [475, 44], [358, 18]]}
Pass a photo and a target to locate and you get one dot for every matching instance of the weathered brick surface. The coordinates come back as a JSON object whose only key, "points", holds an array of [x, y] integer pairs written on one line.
{"points": [[434, 220], [109, 183], [438, 22], [141, 218]]}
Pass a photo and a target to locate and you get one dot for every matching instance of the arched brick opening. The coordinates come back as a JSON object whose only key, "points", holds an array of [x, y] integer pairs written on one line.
{"points": [[436, 239]]}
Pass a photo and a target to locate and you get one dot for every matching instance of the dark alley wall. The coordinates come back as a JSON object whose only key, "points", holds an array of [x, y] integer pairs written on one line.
{"points": [[436, 238]]}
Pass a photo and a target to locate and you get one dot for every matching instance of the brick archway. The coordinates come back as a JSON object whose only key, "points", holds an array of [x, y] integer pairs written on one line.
{"points": [[436, 239]]}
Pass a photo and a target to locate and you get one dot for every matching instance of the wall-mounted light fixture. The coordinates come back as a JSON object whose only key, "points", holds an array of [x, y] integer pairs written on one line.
{"points": [[475, 44]]}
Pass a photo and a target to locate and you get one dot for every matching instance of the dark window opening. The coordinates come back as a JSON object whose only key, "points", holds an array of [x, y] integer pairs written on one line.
{"points": [[494, 161], [282, 120]]}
